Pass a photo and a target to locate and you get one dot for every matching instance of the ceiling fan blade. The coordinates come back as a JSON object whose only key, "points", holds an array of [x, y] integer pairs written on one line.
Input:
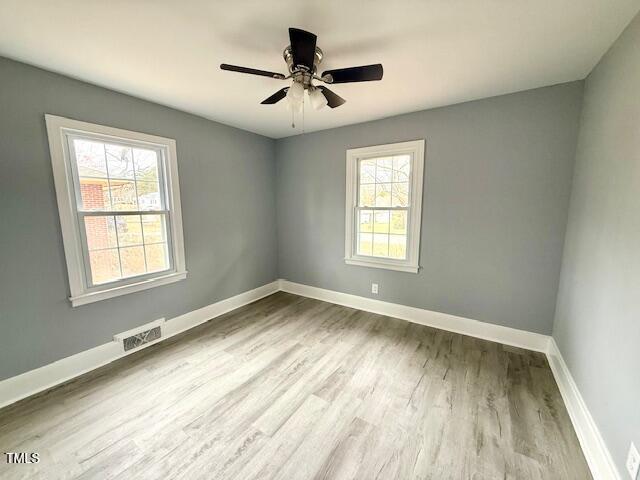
{"points": [[276, 97], [303, 47], [365, 73], [251, 71], [333, 100]]}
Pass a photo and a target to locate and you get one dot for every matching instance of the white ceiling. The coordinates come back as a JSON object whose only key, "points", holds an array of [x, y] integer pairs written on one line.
{"points": [[434, 52]]}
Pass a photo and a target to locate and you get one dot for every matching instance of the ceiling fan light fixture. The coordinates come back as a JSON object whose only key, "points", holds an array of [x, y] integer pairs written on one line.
{"points": [[294, 106], [318, 100], [295, 92]]}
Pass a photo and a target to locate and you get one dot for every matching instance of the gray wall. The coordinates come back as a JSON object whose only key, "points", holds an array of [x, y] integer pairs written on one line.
{"points": [[597, 326], [497, 182], [227, 180]]}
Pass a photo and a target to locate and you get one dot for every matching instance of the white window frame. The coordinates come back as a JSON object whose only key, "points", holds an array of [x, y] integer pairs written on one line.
{"points": [[416, 150], [59, 130]]}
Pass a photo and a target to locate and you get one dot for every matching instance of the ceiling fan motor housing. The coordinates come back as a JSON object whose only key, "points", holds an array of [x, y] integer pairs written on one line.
{"points": [[300, 73]]}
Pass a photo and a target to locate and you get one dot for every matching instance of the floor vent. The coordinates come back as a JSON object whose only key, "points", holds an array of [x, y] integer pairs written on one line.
{"points": [[140, 336]]}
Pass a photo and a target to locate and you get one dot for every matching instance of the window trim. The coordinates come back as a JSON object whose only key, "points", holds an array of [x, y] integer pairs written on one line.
{"points": [[58, 128], [416, 149]]}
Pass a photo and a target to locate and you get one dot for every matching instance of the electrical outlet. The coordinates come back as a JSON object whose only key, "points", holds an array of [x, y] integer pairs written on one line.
{"points": [[374, 288], [633, 461]]}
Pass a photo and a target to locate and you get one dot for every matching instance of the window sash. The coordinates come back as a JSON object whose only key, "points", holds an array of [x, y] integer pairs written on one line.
{"points": [[129, 279], [356, 231], [160, 155], [83, 213], [409, 181], [357, 208], [108, 213]]}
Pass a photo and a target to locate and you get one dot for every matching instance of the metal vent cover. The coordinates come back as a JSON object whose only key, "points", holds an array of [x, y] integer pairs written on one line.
{"points": [[141, 335], [134, 341]]}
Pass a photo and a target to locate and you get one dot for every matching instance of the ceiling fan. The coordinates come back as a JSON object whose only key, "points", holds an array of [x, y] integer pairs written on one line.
{"points": [[303, 58]]}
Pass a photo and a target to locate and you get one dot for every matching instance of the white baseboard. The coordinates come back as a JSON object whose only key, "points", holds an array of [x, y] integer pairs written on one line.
{"points": [[48, 376], [35, 381], [443, 321], [593, 445], [594, 448]]}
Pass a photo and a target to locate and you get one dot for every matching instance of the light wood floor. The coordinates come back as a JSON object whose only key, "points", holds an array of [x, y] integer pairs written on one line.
{"points": [[293, 388]]}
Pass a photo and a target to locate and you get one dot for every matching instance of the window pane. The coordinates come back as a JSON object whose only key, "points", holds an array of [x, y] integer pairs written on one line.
{"points": [[101, 232], [132, 259], [398, 246], [401, 168], [105, 265], [146, 164], [157, 258], [380, 245], [383, 195], [123, 195], [119, 161], [367, 171], [149, 196], [129, 230], [381, 223], [366, 221], [95, 194], [367, 195], [153, 228], [90, 158], [399, 222], [365, 243], [383, 170], [399, 194]]}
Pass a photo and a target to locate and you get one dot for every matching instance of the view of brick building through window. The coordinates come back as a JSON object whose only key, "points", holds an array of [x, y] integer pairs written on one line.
{"points": [[117, 178]]}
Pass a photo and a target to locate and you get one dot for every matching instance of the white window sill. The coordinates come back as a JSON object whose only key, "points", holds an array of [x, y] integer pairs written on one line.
{"points": [[91, 297], [382, 264]]}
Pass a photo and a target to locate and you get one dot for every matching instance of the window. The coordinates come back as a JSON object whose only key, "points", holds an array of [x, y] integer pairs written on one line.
{"points": [[383, 205], [119, 204]]}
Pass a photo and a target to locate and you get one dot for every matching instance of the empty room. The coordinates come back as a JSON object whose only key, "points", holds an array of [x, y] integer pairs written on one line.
{"points": [[314, 239]]}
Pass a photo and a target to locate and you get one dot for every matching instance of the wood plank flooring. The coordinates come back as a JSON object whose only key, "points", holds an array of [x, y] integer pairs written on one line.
{"points": [[294, 388]]}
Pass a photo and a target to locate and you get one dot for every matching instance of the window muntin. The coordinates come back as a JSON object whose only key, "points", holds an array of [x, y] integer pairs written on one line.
{"points": [[383, 205], [121, 207]]}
